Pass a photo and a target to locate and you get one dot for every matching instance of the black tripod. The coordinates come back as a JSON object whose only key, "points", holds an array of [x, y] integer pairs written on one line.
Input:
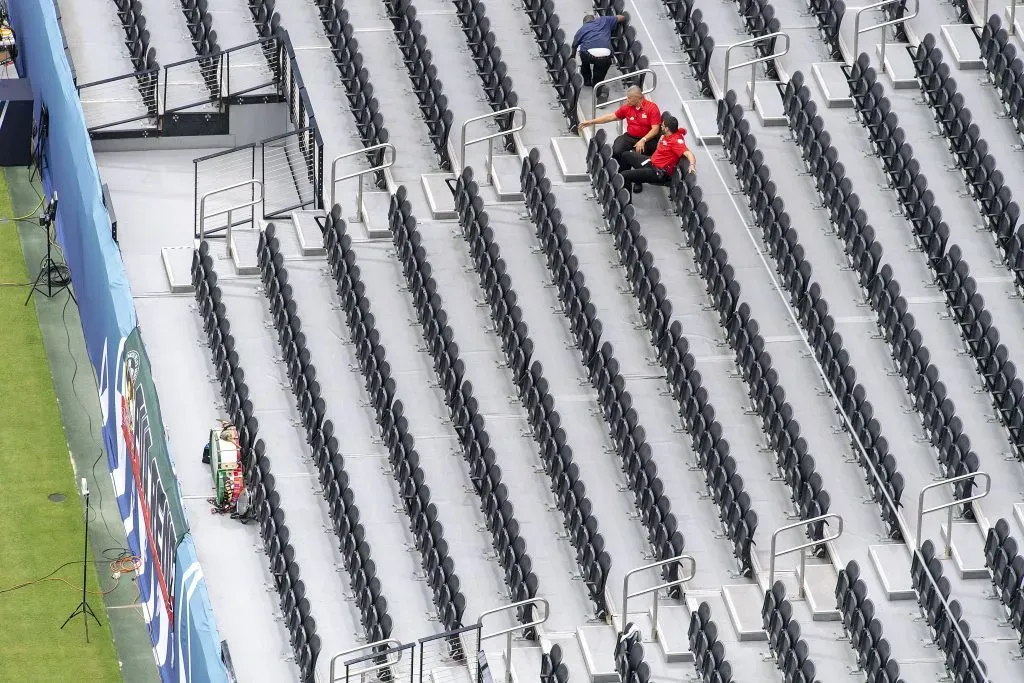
{"points": [[48, 269], [83, 607]]}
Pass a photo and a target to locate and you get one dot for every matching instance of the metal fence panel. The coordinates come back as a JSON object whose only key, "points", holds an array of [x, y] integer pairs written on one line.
{"points": [[288, 168], [219, 170], [449, 657]]}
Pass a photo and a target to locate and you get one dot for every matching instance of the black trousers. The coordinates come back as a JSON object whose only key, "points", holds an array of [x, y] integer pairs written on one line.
{"points": [[593, 69], [624, 143], [637, 168]]}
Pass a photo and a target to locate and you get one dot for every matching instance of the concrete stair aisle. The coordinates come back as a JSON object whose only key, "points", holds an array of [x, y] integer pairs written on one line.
{"points": [[234, 25], [540, 523], [172, 41], [331, 106], [312, 536], [96, 40], [342, 387]]}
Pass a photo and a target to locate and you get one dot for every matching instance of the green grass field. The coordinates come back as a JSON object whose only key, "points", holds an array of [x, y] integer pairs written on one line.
{"points": [[36, 535]]}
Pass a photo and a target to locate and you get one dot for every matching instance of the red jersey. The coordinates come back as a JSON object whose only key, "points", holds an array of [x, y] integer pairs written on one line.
{"points": [[670, 150], [639, 119]]}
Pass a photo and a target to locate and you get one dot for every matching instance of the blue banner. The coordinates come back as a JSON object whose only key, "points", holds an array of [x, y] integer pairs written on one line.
{"points": [[179, 617]]}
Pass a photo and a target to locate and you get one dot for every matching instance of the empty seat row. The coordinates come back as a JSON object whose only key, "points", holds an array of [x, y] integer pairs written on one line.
{"points": [[265, 17], [200, 25], [1007, 566], [256, 464], [629, 657], [759, 19], [881, 290], [403, 458], [829, 16], [136, 39], [951, 272], [426, 85], [491, 68], [708, 651], [334, 480], [1004, 67], [695, 38], [685, 383], [561, 68], [545, 422], [199, 20], [971, 154], [598, 359], [863, 629], [495, 499], [354, 76], [950, 631], [791, 652]]}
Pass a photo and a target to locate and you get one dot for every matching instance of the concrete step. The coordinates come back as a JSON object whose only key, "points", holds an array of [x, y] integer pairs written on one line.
{"points": [[832, 83], [892, 564], [505, 170], [767, 102], [967, 548], [597, 645], [571, 155], [702, 120], [898, 65], [439, 196], [374, 223], [308, 231], [743, 603], [178, 266], [525, 664], [672, 632], [243, 243], [963, 46], [819, 583]]}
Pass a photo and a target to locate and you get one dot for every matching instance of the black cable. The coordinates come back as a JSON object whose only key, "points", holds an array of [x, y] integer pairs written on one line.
{"points": [[119, 542]]}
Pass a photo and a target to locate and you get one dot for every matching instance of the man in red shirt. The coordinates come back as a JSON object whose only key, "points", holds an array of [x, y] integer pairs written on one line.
{"points": [[643, 124], [659, 167]]}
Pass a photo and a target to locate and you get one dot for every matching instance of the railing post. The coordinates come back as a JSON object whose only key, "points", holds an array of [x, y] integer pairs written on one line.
{"points": [[622, 77], [857, 30], [801, 547], [384, 164], [626, 595], [509, 631], [753, 62], [227, 241], [921, 511], [496, 116]]}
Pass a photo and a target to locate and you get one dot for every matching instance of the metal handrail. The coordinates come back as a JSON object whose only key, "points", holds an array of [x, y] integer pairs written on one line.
{"points": [[358, 218], [615, 79], [252, 202], [463, 144], [857, 30], [921, 511], [480, 637], [391, 642], [626, 595], [801, 547], [753, 62]]}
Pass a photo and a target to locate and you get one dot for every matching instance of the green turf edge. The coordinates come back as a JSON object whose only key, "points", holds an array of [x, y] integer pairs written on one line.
{"points": [[36, 535]]}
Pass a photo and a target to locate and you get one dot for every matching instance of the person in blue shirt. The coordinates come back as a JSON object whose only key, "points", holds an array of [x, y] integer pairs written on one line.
{"points": [[593, 43]]}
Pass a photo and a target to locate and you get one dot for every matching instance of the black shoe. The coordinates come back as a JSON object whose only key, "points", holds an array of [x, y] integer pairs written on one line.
{"points": [[601, 95], [638, 188]]}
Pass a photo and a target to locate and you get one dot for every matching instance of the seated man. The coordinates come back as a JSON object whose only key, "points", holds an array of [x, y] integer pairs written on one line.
{"points": [[643, 124], [659, 167], [593, 43]]}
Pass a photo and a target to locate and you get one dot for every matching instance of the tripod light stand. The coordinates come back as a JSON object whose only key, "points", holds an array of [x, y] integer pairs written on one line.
{"points": [[83, 607], [49, 270]]}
